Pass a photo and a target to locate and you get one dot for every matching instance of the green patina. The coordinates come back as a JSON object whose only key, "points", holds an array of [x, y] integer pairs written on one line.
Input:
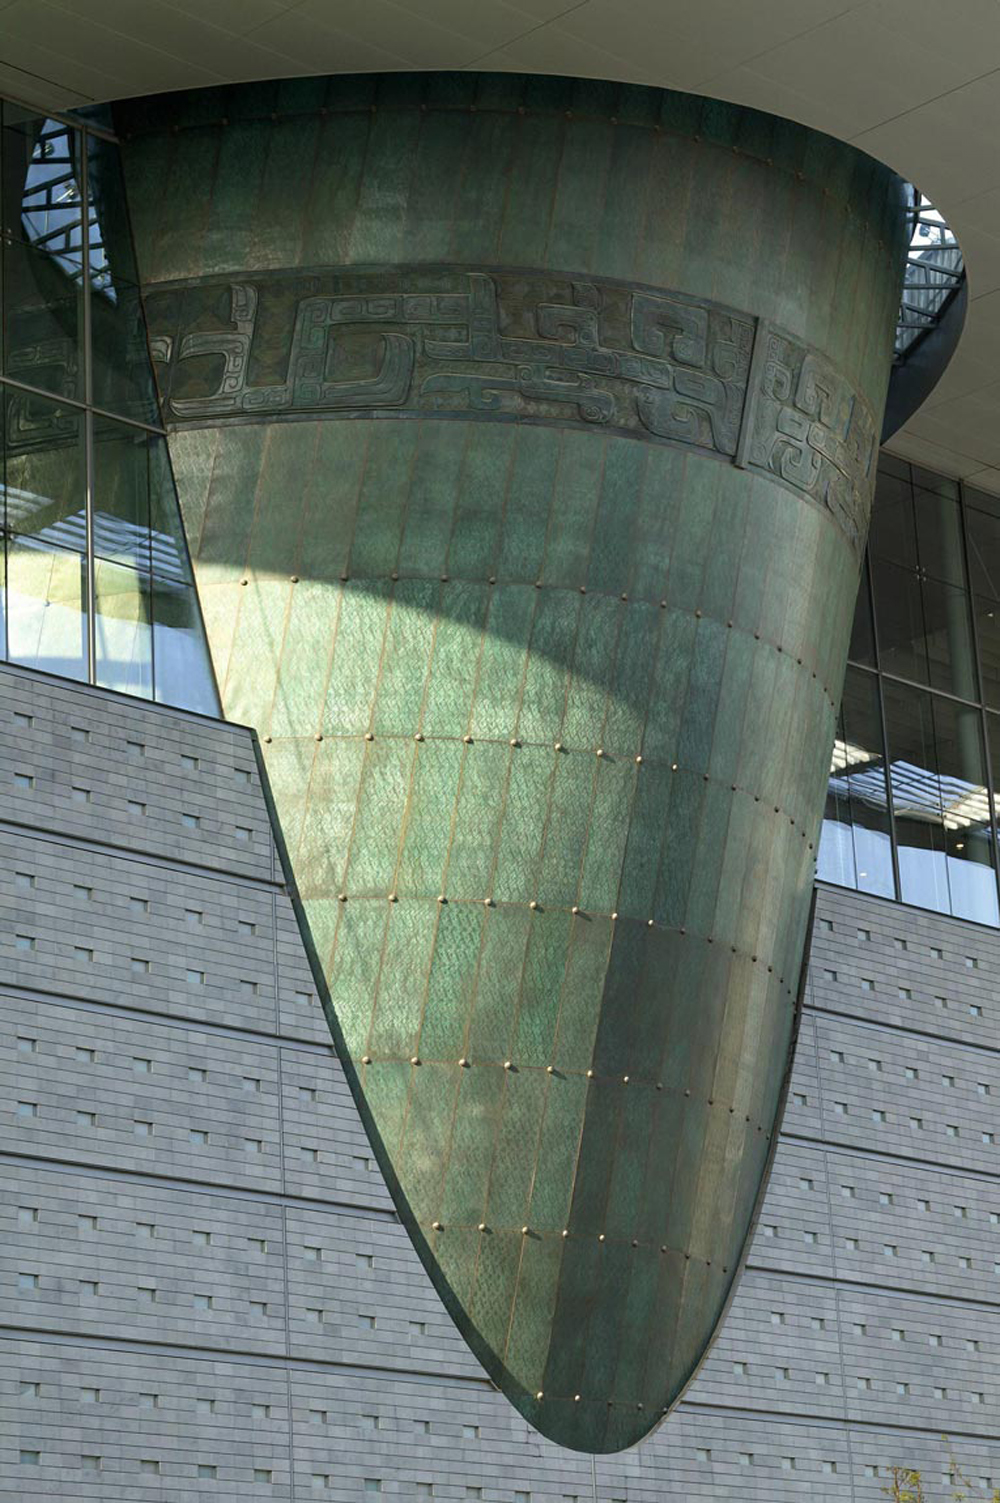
{"points": [[523, 430]]}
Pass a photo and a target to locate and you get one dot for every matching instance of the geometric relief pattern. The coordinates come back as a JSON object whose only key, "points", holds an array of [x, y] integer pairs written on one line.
{"points": [[546, 715], [514, 346]]}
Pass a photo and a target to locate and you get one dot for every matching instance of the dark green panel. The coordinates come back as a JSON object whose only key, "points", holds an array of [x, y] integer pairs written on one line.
{"points": [[524, 432]]}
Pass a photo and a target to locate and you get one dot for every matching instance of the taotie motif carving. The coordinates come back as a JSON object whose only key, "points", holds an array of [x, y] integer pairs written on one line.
{"points": [[506, 345]]}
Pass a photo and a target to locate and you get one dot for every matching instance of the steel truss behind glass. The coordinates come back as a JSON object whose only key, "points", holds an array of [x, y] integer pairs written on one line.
{"points": [[911, 810], [935, 270], [95, 579]]}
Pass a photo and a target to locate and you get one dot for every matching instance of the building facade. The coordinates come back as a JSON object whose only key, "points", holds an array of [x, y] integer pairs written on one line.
{"points": [[211, 1290]]}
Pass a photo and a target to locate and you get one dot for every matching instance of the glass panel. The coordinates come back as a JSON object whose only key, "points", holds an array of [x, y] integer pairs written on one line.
{"points": [[939, 531], [940, 804], [183, 675], [982, 520], [47, 607], [44, 469], [893, 527], [121, 493], [988, 631], [123, 629], [43, 268], [862, 648], [42, 322], [122, 369], [170, 551], [924, 631], [854, 844]]}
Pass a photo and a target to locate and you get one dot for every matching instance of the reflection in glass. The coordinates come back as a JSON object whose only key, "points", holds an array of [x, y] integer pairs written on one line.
{"points": [[183, 675], [982, 520], [67, 243], [940, 804], [988, 633], [47, 607], [862, 648], [123, 629], [122, 370], [924, 630], [855, 848], [42, 274], [42, 322], [121, 493], [44, 469]]}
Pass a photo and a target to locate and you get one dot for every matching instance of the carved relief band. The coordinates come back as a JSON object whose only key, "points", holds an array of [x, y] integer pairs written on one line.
{"points": [[526, 345]]}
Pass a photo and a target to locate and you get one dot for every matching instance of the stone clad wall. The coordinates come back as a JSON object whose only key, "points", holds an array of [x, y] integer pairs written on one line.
{"points": [[524, 431]]}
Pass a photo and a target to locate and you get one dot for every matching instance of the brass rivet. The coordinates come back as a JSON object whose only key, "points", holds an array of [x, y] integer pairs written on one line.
{"points": [[539, 1394], [487, 902], [419, 736], [342, 897], [533, 905], [590, 1074], [600, 751], [267, 741], [600, 1236], [558, 746], [625, 1080], [464, 1062], [366, 1059], [659, 1085], [395, 574], [444, 579], [663, 605], [576, 1398], [467, 740], [482, 1226], [414, 1059], [649, 923], [436, 1226], [698, 614], [508, 1064], [583, 589], [673, 767], [524, 1231], [614, 914], [538, 584], [492, 579], [244, 581], [638, 760], [393, 898], [565, 1231], [624, 596], [369, 736], [575, 908], [514, 741], [295, 579], [442, 898], [635, 1242], [663, 1248], [550, 1069]]}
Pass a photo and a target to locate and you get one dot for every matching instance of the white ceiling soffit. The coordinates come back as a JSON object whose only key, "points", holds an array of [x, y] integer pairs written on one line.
{"points": [[914, 82]]}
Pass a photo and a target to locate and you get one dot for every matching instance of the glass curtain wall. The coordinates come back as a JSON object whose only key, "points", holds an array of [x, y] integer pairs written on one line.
{"points": [[910, 810], [96, 580]]}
